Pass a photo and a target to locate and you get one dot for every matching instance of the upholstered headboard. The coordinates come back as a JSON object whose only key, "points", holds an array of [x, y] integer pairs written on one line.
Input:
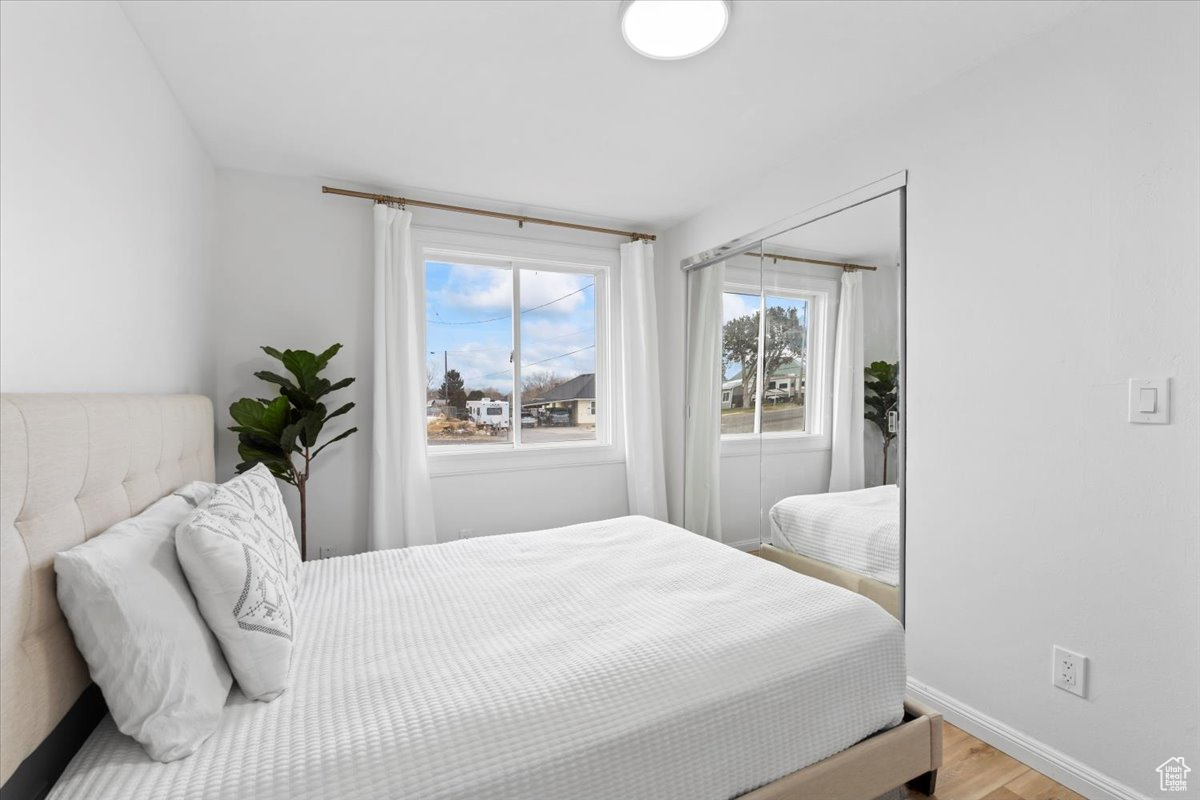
{"points": [[71, 466]]}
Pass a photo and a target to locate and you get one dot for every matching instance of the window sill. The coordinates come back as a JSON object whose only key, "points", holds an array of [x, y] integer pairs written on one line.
{"points": [[505, 459], [742, 445]]}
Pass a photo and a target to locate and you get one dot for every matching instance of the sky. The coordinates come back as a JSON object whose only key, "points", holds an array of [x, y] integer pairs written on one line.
{"points": [[468, 312]]}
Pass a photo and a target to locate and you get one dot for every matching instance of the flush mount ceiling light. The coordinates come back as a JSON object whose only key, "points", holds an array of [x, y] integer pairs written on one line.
{"points": [[673, 29]]}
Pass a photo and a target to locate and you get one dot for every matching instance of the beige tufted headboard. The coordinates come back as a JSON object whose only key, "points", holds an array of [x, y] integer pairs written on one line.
{"points": [[71, 466]]}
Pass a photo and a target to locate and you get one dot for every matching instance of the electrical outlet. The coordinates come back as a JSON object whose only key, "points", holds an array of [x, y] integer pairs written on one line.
{"points": [[1070, 671], [327, 551]]}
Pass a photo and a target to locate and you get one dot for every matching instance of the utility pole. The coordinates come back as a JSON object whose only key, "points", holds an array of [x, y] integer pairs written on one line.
{"points": [[445, 370]]}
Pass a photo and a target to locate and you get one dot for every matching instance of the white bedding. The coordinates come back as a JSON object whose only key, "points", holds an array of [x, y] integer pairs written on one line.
{"points": [[619, 659], [858, 530]]}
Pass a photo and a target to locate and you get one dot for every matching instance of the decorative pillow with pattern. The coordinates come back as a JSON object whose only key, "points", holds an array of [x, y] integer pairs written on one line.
{"points": [[240, 556]]}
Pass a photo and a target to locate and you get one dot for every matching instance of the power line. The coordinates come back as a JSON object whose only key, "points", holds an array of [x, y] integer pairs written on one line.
{"points": [[509, 349], [555, 358], [523, 311], [543, 361]]}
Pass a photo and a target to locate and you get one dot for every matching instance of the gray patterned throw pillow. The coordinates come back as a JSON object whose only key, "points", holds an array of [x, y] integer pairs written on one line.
{"points": [[240, 557]]}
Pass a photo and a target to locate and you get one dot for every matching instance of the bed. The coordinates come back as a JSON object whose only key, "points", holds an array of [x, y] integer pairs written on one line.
{"points": [[850, 539], [625, 658]]}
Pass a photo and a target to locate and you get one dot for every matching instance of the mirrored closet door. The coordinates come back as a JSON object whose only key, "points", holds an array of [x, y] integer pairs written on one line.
{"points": [[794, 435]]}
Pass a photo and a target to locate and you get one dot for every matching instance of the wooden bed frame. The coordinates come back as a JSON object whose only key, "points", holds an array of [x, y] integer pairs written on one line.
{"points": [[884, 594], [72, 466]]}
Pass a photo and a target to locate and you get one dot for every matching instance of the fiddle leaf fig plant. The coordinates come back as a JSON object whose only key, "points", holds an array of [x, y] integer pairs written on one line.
{"points": [[881, 399], [283, 432]]}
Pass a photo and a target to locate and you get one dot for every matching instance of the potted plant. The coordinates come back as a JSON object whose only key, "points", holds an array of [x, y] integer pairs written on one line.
{"points": [[282, 433], [881, 400]]}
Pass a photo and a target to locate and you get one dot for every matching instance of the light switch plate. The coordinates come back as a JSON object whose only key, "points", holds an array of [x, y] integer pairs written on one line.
{"points": [[1152, 394]]}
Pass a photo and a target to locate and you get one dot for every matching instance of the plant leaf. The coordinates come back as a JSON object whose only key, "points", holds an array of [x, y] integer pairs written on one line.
{"points": [[287, 439], [303, 365], [265, 418], [280, 467], [339, 412], [314, 421], [302, 400], [271, 377], [330, 352], [337, 438]]}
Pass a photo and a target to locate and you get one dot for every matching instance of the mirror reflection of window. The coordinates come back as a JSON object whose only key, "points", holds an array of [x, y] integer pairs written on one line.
{"points": [[785, 364], [739, 361], [781, 344]]}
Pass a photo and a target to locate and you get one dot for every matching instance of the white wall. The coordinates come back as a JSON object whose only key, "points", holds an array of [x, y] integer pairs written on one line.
{"points": [[1052, 252], [295, 270], [106, 206]]}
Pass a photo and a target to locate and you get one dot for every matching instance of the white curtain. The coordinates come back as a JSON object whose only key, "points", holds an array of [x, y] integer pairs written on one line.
{"points": [[644, 474], [401, 499], [846, 469], [702, 429]]}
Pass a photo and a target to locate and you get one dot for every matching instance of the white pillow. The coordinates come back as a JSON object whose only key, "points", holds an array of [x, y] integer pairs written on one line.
{"points": [[136, 624], [240, 556], [197, 493]]}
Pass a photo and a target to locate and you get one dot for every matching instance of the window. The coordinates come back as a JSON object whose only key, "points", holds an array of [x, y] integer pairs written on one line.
{"points": [[517, 357], [771, 352]]}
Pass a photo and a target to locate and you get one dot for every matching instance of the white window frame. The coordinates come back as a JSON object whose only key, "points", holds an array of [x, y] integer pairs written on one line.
{"points": [[821, 293], [519, 253]]}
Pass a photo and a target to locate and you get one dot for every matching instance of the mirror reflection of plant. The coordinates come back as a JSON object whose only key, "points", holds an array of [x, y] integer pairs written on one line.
{"points": [[273, 432], [880, 399]]}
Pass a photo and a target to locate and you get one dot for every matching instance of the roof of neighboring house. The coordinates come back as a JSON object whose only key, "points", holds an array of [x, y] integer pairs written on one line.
{"points": [[581, 387]]}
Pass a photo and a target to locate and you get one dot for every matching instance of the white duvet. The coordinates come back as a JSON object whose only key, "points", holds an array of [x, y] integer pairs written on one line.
{"points": [[619, 659], [857, 530]]}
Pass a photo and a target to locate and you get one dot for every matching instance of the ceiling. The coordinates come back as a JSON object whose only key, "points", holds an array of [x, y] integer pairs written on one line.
{"points": [[868, 233], [541, 104]]}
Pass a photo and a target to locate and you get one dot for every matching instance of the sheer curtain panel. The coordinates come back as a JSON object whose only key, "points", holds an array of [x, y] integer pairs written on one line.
{"points": [[702, 428], [401, 499], [644, 472], [846, 468]]}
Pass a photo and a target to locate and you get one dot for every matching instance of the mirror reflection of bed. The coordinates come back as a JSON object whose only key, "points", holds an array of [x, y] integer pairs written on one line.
{"points": [[808, 450]]}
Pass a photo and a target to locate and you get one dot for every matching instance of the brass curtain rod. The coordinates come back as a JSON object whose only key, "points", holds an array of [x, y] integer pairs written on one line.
{"points": [[847, 267], [520, 219]]}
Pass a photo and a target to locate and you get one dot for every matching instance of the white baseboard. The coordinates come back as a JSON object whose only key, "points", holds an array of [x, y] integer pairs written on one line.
{"points": [[746, 544], [1071, 773]]}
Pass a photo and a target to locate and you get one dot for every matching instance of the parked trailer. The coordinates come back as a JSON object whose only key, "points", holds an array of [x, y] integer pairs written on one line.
{"points": [[492, 414]]}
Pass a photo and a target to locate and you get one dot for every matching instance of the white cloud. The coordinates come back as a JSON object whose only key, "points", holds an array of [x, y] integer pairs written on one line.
{"points": [[484, 289], [739, 305], [488, 290]]}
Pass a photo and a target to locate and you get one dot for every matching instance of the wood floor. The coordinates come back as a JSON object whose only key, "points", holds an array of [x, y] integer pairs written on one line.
{"points": [[973, 770]]}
